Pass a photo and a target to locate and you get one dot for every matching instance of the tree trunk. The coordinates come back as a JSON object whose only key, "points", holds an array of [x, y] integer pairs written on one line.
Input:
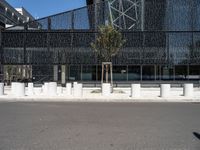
{"points": [[106, 73]]}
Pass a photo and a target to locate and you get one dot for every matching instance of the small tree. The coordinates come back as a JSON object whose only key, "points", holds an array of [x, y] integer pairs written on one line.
{"points": [[107, 44]]}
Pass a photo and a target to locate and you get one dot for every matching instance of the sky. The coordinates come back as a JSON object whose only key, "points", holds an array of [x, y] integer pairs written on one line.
{"points": [[43, 8]]}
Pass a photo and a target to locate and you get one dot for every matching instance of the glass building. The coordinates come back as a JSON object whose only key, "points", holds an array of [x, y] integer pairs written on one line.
{"points": [[162, 42]]}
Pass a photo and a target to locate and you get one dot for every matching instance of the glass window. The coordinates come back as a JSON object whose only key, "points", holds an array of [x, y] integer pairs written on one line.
{"points": [[2, 9], [89, 73], [42, 73], [134, 73], [148, 73], [99, 68], [119, 73], [62, 21], [180, 47], [75, 73], [167, 73], [178, 15], [81, 20], [158, 73], [154, 50], [196, 16], [195, 51], [194, 72], [181, 72]]}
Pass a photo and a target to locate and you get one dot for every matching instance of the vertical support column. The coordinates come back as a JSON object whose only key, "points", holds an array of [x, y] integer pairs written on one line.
{"points": [[102, 73], [24, 71], [160, 74], [155, 72], [72, 20], [111, 75], [188, 72], [142, 15], [1, 56], [1, 50], [95, 15], [55, 73], [141, 72], [31, 72], [81, 72], [63, 74], [67, 72], [127, 72], [24, 42], [49, 23], [49, 54], [174, 73], [96, 72]]}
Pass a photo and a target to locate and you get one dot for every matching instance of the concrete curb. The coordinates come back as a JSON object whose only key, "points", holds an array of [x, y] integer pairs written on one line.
{"points": [[99, 100]]}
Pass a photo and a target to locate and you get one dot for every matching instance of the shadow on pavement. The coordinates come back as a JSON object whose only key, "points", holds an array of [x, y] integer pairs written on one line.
{"points": [[197, 135]]}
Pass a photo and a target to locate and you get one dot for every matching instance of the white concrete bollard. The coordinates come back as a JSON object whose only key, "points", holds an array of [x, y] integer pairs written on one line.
{"points": [[46, 88], [106, 89], [20, 89], [165, 90], [78, 90], [42, 88], [1, 89], [13, 88], [59, 90], [52, 89], [74, 84], [37, 91], [68, 88], [135, 90], [30, 91], [188, 90]]}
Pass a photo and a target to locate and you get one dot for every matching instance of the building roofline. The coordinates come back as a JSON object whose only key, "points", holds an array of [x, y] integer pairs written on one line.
{"points": [[3, 2], [26, 12]]}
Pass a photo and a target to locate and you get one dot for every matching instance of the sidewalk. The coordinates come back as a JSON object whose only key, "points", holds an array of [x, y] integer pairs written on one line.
{"points": [[147, 95]]}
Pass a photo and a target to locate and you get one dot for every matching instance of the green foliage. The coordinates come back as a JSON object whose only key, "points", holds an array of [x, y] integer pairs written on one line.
{"points": [[108, 43]]}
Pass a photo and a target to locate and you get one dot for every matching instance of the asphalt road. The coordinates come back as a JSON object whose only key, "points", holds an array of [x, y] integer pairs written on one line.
{"points": [[99, 126]]}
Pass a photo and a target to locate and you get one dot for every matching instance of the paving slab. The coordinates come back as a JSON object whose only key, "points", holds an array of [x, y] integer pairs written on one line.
{"points": [[147, 95]]}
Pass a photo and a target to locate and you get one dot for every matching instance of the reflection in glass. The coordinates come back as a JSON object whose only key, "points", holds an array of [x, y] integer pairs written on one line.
{"points": [[89, 73], [148, 73], [179, 47], [134, 73], [75, 73], [181, 72], [167, 73], [119, 73], [194, 73]]}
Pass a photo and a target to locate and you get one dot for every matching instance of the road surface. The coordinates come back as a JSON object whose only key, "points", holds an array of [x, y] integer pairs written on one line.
{"points": [[99, 126]]}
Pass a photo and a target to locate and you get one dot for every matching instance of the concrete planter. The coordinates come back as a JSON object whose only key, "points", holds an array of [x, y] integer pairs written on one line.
{"points": [[69, 89], [30, 91], [52, 90], [135, 90], [106, 89], [188, 90], [165, 90], [78, 90], [1, 89], [59, 90]]}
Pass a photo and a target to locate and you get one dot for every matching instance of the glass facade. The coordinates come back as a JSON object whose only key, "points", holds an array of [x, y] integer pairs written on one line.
{"points": [[164, 43]]}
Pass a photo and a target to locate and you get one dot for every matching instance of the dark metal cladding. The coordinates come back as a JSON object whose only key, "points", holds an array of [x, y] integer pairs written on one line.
{"points": [[166, 33]]}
